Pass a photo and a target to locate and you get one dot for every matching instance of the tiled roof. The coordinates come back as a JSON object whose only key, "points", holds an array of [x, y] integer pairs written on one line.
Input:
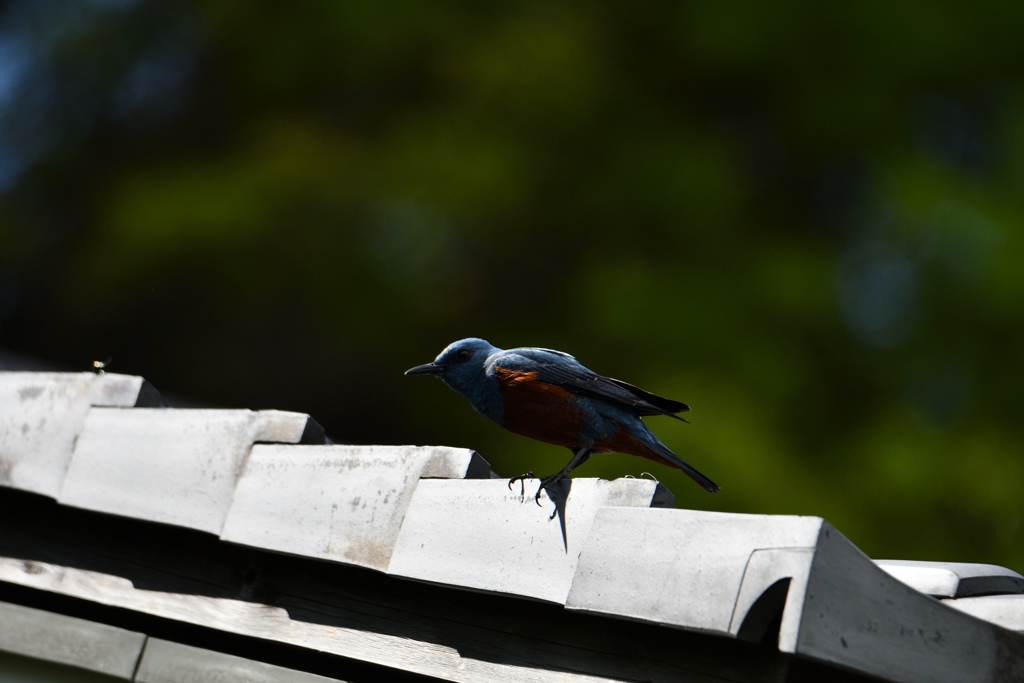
{"points": [[267, 481]]}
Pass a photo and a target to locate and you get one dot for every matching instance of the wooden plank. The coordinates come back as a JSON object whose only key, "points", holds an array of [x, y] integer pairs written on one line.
{"points": [[177, 574], [167, 662], [339, 503], [66, 640], [274, 623]]}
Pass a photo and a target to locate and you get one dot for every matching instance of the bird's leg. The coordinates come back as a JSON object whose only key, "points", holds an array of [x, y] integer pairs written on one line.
{"points": [[521, 478], [580, 456]]}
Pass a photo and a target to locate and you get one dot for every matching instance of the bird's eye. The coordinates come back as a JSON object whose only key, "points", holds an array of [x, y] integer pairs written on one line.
{"points": [[462, 355]]}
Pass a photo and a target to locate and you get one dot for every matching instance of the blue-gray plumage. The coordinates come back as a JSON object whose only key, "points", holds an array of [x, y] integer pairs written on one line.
{"points": [[549, 396]]}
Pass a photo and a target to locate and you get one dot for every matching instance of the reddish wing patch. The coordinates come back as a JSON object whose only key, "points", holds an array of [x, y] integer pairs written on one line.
{"points": [[541, 411], [624, 442]]}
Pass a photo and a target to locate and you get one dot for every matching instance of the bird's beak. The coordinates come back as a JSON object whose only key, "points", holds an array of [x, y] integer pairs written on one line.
{"points": [[428, 369]]}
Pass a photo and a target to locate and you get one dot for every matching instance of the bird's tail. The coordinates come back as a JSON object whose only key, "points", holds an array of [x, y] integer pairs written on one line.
{"points": [[669, 458]]}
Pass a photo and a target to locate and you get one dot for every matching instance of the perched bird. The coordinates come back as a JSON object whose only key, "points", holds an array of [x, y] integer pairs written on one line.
{"points": [[547, 395]]}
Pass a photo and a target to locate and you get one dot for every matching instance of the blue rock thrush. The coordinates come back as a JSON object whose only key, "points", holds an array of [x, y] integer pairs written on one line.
{"points": [[547, 395]]}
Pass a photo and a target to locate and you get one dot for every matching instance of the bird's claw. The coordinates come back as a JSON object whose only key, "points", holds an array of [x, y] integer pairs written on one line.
{"points": [[521, 478], [547, 482]]}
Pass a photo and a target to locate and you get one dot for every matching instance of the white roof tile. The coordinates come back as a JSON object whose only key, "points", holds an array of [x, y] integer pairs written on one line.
{"points": [[481, 535], [680, 567], [339, 503], [1004, 610], [954, 579], [42, 415], [432, 514], [854, 615], [166, 465]]}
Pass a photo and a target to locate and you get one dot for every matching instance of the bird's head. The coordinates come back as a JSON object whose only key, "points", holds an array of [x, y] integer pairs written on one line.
{"points": [[460, 365]]}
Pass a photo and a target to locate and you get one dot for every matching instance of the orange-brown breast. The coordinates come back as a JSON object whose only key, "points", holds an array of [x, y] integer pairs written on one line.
{"points": [[541, 411]]}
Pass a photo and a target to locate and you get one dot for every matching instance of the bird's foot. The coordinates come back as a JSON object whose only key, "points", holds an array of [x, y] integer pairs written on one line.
{"points": [[521, 479], [548, 482]]}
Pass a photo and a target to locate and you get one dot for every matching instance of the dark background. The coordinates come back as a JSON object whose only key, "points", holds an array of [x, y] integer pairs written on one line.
{"points": [[802, 218]]}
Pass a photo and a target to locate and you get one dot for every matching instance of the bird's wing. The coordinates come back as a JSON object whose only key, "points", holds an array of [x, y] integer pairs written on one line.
{"points": [[592, 384], [555, 367]]}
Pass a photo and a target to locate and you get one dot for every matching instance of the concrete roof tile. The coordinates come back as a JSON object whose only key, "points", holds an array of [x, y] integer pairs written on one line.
{"points": [[481, 535], [339, 503], [167, 465], [42, 415]]}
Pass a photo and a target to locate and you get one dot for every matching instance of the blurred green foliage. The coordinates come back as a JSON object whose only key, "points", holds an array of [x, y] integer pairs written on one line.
{"points": [[803, 219]]}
